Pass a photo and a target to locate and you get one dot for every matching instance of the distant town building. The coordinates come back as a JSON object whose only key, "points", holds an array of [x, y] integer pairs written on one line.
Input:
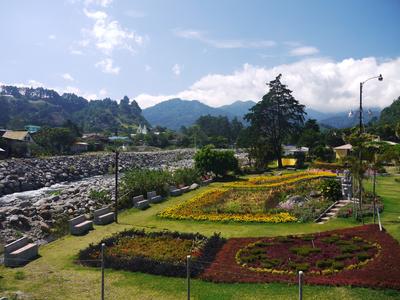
{"points": [[32, 128], [118, 138], [292, 150], [142, 129], [17, 142], [22, 136], [79, 147]]}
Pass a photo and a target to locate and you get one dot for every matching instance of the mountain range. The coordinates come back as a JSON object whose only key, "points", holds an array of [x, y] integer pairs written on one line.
{"points": [[175, 113], [20, 106]]}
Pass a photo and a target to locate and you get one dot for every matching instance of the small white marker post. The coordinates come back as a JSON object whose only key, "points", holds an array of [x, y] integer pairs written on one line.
{"points": [[188, 275], [300, 285], [379, 218], [102, 270]]}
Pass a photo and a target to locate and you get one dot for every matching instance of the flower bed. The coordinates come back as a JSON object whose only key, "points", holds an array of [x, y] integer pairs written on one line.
{"points": [[315, 254], [271, 205], [359, 256], [277, 181], [160, 253], [196, 209]]}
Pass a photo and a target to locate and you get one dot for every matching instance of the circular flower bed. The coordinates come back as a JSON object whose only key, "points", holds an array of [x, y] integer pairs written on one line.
{"points": [[314, 254], [161, 253]]}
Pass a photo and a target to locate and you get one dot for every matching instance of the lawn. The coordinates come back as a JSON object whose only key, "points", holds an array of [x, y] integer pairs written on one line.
{"points": [[56, 276]]}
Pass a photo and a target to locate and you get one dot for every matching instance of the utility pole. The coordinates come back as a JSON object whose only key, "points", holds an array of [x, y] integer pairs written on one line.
{"points": [[116, 185], [360, 158], [380, 78]]}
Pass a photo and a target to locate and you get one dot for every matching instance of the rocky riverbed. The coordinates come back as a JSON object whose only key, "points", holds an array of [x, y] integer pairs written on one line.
{"points": [[41, 213], [18, 175]]}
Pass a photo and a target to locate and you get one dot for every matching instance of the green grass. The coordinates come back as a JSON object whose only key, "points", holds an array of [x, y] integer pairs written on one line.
{"points": [[55, 276]]}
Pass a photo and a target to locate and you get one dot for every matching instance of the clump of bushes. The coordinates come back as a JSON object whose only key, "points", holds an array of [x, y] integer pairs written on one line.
{"points": [[219, 162], [299, 266], [324, 263], [331, 189], [140, 181], [186, 176], [305, 250], [100, 196]]}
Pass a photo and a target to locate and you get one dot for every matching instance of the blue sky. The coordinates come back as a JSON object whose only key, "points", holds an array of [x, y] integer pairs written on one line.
{"points": [[213, 51]]}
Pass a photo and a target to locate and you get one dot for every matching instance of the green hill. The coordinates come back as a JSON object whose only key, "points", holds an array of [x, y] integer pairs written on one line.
{"points": [[39, 106]]}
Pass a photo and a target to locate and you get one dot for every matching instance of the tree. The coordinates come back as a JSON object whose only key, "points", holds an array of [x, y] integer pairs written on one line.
{"points": [[55, 140], [258, 148], [207, 159], [310, 135], [277, 116]]}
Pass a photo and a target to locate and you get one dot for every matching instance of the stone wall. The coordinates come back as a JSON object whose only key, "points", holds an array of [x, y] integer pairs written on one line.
{"points": [[17, 175]]}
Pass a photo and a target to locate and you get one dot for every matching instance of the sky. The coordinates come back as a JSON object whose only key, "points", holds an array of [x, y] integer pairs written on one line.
{"points": [[208, 50]]}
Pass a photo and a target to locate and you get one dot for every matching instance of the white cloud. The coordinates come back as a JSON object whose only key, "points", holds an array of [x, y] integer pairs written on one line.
{"points": [[303, 51], [67, 77], [103, 3], [34, 83], [107, 34], [222, 43], [147, 68], [177, 69], [103, 93], [52, 37], [321, 84], [107, 66]]}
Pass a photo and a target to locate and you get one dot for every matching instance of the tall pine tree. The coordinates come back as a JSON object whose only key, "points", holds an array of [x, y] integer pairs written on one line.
{"points": [[277, 116]]}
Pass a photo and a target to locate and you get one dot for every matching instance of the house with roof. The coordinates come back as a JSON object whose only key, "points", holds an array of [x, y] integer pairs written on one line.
{"points": [[17, 142], [342, 151]]}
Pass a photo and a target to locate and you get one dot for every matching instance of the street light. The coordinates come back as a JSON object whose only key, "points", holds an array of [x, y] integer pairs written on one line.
{"points": [[380, 78]]}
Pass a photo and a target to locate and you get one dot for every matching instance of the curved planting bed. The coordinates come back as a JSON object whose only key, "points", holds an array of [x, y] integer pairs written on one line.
{"points": [[300, 196], [315, 254], [160, 253], [359, 256]]}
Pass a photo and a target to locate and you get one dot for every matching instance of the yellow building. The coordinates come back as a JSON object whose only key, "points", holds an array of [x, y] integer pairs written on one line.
{"points": [[342, 151]]}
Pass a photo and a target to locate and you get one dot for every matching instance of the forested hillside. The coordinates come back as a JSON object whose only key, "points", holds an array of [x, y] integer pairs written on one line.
{"points": [[39, 106]]}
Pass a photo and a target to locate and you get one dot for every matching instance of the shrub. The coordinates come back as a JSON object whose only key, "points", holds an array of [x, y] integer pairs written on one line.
{"points": [[337, 265], [363, 256], [138, 182], [343, 256], [331, 239], [19, 275], [331, 189], [218, 162], [324, 263], [60, 227], [186, 176], [349, 248], [100, 196], [299, 266], [304, 250]]}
